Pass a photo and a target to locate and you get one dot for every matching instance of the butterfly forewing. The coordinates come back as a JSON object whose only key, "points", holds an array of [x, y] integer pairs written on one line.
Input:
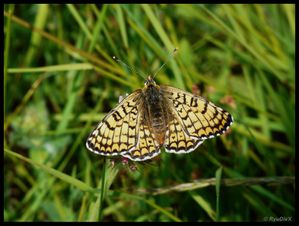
{"points": [[117, 133], [200, 118]]}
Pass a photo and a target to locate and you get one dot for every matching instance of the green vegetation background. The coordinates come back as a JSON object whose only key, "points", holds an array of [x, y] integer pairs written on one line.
{"points": [[60, 80]]}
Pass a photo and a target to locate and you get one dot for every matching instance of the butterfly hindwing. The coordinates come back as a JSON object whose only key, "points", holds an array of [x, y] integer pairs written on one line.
{"points": [[147, 145], [177, 141], [146, 148]]}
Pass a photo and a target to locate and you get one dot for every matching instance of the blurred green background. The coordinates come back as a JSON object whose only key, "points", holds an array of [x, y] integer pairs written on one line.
{"points": [[60, 80]]}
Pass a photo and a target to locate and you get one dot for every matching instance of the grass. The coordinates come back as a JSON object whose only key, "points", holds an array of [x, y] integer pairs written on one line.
{"points": [[60, 80]]}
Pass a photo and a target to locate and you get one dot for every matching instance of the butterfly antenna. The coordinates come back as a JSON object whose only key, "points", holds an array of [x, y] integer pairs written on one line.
{"points": [[129, 67], [170, 56]]}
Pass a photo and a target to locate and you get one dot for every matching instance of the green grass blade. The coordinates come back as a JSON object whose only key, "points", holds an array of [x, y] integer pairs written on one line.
{"points": [[205, 205], [218, 183], [64, 177], [79, 20], [55, 68], [157, 25], [121, 22], [6, 53], [36, 38]]}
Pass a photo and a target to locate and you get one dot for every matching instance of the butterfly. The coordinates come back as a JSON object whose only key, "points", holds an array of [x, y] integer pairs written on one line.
{"points": [[154, 117]]}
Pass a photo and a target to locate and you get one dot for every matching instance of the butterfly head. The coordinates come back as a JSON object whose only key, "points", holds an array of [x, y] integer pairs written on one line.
{"points": [[149, 81]]}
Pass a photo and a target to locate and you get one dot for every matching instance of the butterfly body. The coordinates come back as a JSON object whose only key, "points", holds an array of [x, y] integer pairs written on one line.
{"points": [[155, 112], [154, 117]]}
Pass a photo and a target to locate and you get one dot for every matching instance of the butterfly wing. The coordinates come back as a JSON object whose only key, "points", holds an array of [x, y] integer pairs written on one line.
{"points": [[177, 141], [147, 147], [200, 118], [117, 132]]}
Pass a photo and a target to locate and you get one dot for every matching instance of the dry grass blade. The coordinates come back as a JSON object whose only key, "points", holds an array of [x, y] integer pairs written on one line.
{"points": [[224, 182]]}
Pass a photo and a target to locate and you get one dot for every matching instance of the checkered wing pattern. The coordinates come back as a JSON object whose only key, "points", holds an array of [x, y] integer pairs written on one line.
{"points": [[177, 140], [117, 133], [156, 116], [196, 119], [147, 146]]}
